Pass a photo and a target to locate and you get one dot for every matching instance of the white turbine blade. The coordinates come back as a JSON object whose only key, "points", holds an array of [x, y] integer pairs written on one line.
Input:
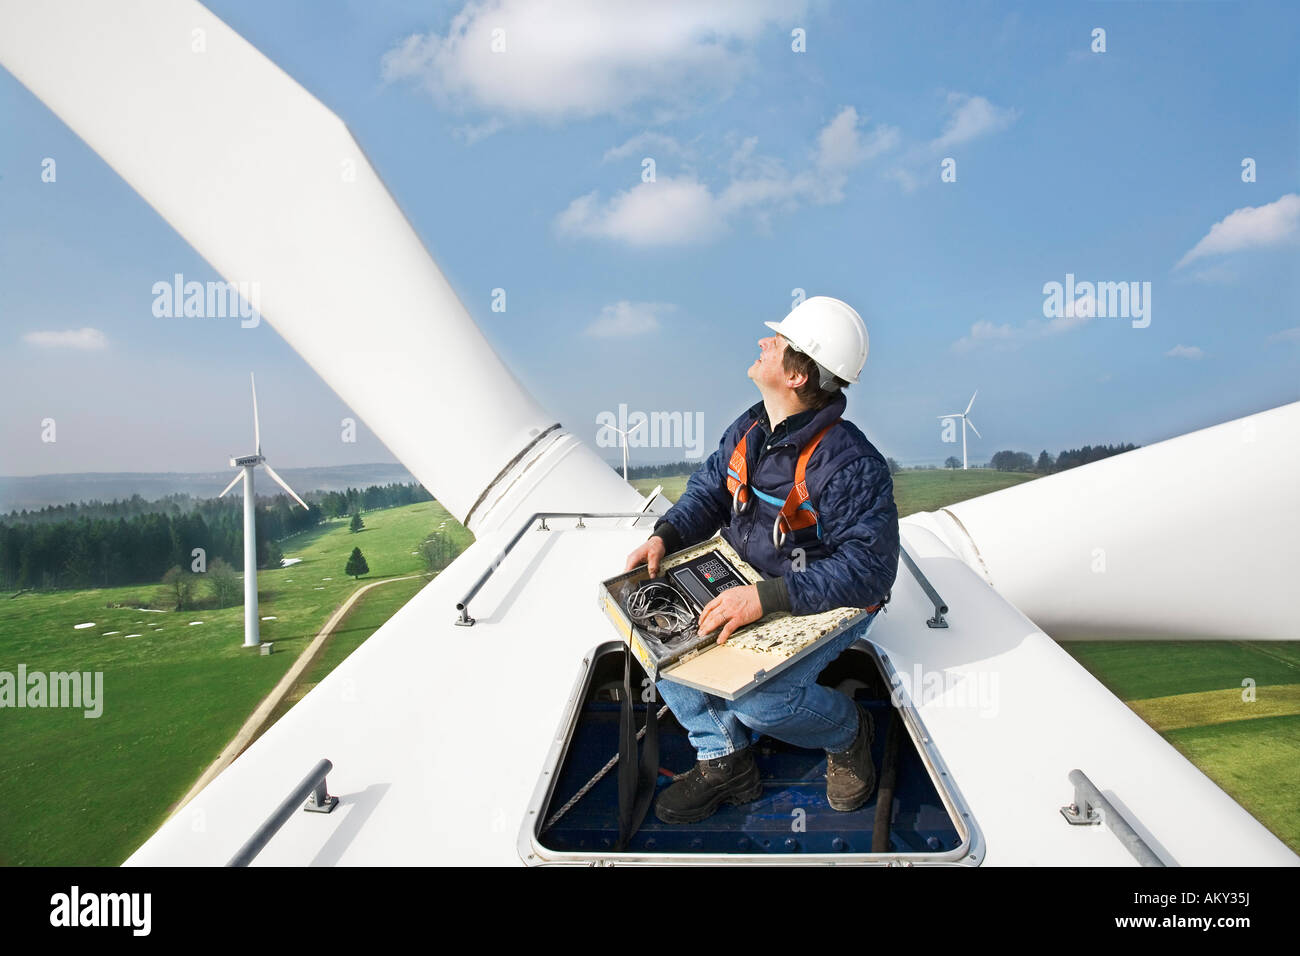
{"points": [[972, 402], [1131, 511], [973, 428], [283, 484], [257, 431], [234, 481], [636, 426], [274, 193]]}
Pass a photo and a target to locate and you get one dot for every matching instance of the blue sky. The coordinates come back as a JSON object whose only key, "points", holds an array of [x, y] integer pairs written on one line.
{"points": [[775, 170]]}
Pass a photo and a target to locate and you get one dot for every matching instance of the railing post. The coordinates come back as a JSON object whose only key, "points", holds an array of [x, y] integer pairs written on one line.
{"points": [[1088, 800], [940, 607], [464, 620], [312, 789]]}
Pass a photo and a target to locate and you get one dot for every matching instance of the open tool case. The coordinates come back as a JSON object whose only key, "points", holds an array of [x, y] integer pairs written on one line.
{"points": [[752, 655]]}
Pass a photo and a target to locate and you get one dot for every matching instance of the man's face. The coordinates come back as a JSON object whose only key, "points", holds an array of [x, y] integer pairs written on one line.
{"points": [[768, 370]]}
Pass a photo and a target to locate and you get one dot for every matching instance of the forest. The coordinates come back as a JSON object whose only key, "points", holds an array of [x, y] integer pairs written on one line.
{"points": [[108, 544]]}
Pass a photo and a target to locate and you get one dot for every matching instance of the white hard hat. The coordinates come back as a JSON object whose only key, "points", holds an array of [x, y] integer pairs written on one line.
{"points": [[831, 333]]}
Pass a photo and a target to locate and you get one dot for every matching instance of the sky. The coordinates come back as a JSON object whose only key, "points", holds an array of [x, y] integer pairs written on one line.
{"points": [[935, 165]]}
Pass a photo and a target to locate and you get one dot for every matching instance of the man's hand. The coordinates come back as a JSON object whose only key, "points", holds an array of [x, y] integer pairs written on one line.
{"points": [[730, 610], [649, 554]]}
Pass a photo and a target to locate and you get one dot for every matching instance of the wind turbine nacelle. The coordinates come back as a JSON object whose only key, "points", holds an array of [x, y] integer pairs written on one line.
{"points": [[246, 460]]}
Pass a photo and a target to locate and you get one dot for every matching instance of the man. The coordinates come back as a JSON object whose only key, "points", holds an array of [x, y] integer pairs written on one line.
{"points": [[838, 548]]}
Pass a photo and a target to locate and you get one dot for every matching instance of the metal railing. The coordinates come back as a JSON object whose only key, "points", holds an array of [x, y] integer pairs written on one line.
{"points": [[1083, 812], [940, 607], [312, 789], [462, 606], [464, 620]]}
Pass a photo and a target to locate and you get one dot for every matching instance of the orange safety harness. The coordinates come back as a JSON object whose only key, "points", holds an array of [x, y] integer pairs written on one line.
{"points": [[795, 511]]}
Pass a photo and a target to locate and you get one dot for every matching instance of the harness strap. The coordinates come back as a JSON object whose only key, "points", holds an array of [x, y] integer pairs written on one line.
{"points": [[796, 511], [738, 472]]}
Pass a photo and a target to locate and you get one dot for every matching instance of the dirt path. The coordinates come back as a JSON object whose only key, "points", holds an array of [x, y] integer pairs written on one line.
{"points": [[267, 707]]}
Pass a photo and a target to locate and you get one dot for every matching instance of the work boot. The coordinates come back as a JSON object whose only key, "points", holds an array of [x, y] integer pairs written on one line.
{"points": [[696, 794], [851, 774]]}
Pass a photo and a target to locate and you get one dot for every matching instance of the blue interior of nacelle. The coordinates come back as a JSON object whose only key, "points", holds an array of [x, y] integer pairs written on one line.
{"points": [[793, 780]]}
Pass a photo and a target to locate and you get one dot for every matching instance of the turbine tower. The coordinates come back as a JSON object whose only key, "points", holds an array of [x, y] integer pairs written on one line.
{"points": [[625, 434], [964, 422], [247, 463]]}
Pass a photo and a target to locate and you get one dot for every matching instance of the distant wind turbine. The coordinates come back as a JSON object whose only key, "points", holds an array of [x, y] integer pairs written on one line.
{"points": [[252, 636], [964, 422], [625, 434]]}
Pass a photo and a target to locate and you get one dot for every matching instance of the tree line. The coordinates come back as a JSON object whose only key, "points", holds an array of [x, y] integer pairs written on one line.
{"points": [[1045, 463], [332, 504], [670, 470], [98, 544]]}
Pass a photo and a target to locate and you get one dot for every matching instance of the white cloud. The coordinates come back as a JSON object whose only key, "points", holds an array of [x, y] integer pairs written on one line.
{"points": [[88, 339], [1249, 226], [907, 179], [682, 209], [1218, 273], [626, 318], [841, 144], [984, 332], [666, 212], [473, 132], [1078, 312], [645, 144], [1286, 335], [969, 118], [1186, 352], [583, 58]]}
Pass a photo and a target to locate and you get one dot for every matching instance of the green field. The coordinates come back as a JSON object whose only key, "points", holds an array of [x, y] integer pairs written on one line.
{"points": [[75, 790], [930, 490], [1249, 748]]}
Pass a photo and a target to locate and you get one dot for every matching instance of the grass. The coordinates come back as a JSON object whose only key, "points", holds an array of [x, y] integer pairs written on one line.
{"points": [[1139, 670], [1255, 761], [78, 791], [673, 485], [1191, 693], [930, 490], [1180, 711]]}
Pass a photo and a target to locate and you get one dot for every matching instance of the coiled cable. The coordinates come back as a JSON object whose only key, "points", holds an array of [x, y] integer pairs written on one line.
{"points": [[660, 607]]}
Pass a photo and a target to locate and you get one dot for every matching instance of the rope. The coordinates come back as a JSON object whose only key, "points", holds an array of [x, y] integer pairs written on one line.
{"points": [[600, 775]]}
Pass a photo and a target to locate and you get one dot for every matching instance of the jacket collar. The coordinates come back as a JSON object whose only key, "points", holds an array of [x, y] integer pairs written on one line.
{"points": [[805, 428]]}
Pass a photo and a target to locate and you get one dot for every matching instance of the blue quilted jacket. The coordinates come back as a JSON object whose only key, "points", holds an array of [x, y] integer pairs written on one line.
{"points": [[849, 560]]}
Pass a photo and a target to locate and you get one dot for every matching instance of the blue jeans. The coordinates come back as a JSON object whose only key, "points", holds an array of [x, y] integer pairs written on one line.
{"points": [[791, 707]]}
